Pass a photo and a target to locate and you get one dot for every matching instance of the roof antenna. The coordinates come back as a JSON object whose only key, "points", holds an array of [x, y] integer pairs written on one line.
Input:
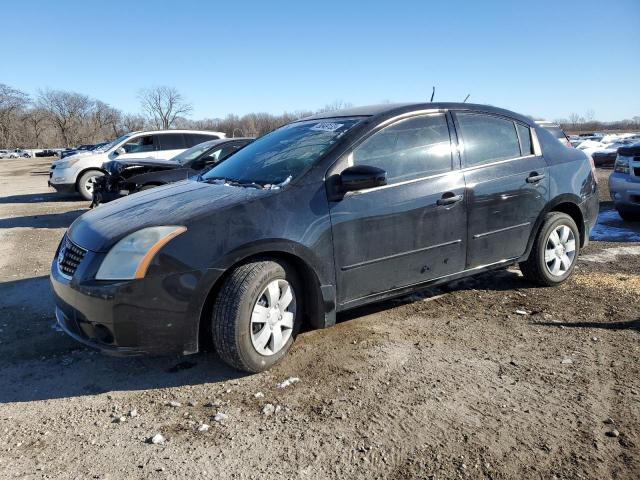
{"points": [[433, 92], [466, 98]]}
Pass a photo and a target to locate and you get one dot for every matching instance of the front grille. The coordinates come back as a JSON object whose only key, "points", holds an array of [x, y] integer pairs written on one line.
{"points": [[69, 257]]}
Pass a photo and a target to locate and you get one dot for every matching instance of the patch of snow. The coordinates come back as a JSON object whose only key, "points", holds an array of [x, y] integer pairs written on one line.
{"points": [[610, 254], [287, 382], [611, 228]]}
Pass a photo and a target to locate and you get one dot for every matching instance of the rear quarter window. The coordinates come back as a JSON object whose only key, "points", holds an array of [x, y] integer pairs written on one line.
{"points": [[487, 138], [193, 139]]}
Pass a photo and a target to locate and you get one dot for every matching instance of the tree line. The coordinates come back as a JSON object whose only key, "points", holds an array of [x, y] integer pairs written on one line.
{"points": [[587, 123], [60, 118]]}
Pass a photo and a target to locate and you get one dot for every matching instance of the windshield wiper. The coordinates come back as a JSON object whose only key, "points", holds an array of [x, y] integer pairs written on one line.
{"points": [[231, 181]]}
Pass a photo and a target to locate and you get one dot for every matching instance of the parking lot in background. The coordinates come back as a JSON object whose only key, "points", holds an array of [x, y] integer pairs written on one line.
{"points": [[487, 377]]}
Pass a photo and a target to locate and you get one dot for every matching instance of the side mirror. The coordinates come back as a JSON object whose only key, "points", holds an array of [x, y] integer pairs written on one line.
{"points": [[360, 177], [198, 164], [120, 151]]}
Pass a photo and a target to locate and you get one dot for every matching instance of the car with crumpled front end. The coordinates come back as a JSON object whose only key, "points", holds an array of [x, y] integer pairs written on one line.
{"points": [[124, 177]]}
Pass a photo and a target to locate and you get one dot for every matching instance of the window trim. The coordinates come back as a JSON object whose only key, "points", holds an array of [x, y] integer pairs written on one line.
{"points": [[351, 193], [397, 119]]}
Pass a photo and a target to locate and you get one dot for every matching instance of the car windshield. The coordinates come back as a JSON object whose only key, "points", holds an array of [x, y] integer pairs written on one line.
{"points": [[193, 152], [113, 143], [282, 154]]}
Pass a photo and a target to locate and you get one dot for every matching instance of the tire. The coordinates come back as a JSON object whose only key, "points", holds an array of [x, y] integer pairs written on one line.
{"points": [[241, 302], [83, 183], [628, 216], [548, 256]]}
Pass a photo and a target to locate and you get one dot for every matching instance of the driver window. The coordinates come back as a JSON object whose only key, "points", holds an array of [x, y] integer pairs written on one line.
{"points": [[140, 144], [409, 149]]}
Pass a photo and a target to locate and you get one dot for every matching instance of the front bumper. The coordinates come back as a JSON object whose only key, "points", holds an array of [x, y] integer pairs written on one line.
{"points": [[107, 188], [625, 191], [155, 315], [63, 187]]}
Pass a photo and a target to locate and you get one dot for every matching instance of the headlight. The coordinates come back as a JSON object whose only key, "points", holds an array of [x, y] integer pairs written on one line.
{"points": [[131, 256], [621, 165], [67, 163]]}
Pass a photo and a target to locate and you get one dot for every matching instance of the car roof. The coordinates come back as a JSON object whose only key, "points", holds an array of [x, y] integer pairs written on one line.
{"points": [[203, 132], [393, 109]]}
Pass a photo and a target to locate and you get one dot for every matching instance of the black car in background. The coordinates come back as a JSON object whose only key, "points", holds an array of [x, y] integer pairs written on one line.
{"points": [[46, 153], [124, 177], [325, 214]]}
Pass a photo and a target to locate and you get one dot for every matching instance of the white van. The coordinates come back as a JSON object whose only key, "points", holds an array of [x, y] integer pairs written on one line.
{"points": [[76, 173]]}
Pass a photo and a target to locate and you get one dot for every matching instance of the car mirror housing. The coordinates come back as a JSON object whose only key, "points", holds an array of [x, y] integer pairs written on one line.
{"points": [[360, 177], [120, 151]]}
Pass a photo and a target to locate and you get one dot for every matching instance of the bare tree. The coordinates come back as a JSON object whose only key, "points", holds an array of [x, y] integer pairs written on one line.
{"points": [[12, 103], [133, 123], [163, 105], [335, 105], [68, 112], [106, 121], [36, 120]]}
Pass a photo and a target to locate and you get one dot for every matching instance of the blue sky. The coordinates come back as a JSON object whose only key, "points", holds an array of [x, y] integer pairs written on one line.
{"points": [[543, 58]]}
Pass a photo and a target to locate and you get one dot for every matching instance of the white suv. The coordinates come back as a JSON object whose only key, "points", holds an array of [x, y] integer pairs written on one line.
{"points": [[76, 173]]}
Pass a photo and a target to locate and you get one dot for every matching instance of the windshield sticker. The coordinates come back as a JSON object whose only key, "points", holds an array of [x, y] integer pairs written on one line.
{"points": [[327, 126]]}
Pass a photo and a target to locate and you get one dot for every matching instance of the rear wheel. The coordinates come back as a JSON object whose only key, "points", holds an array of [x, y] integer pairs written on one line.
{"points": [[257, 315], [555, 251], [86, 183]]}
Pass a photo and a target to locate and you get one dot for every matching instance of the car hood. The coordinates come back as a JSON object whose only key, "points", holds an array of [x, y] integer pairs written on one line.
{"points": [[117, 166], [178, 203]]}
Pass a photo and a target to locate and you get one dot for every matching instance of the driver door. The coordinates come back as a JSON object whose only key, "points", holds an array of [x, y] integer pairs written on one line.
{"points": [[411, 230]]}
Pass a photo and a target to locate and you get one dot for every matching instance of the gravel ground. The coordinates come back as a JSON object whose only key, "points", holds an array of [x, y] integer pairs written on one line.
{"points": [[484, 378]]}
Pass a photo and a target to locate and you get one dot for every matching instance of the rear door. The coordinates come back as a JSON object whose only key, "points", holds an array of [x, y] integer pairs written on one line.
{"points": [[401, 234], [507, 186]]}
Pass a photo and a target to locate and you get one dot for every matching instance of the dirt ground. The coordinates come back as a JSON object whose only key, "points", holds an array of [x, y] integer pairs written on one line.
{"points": [[484, 378]]}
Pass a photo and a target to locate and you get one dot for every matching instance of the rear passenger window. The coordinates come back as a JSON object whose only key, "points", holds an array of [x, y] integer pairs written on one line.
{"points": [[487, 139], [171, 141], [525, 139], [193, 139], [409, 149]]}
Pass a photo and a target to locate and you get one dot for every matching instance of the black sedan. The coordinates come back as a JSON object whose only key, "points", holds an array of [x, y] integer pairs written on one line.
{"points": [[128, 176], [325, 214]]}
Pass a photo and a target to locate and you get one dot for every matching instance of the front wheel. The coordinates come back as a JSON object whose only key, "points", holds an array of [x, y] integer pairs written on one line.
{"points": [[555, 251], [86, 183], [257, 315]]}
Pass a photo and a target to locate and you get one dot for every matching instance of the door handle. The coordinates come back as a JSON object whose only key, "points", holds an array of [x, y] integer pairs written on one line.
{"points": [[448, 198], [534, 177]]}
